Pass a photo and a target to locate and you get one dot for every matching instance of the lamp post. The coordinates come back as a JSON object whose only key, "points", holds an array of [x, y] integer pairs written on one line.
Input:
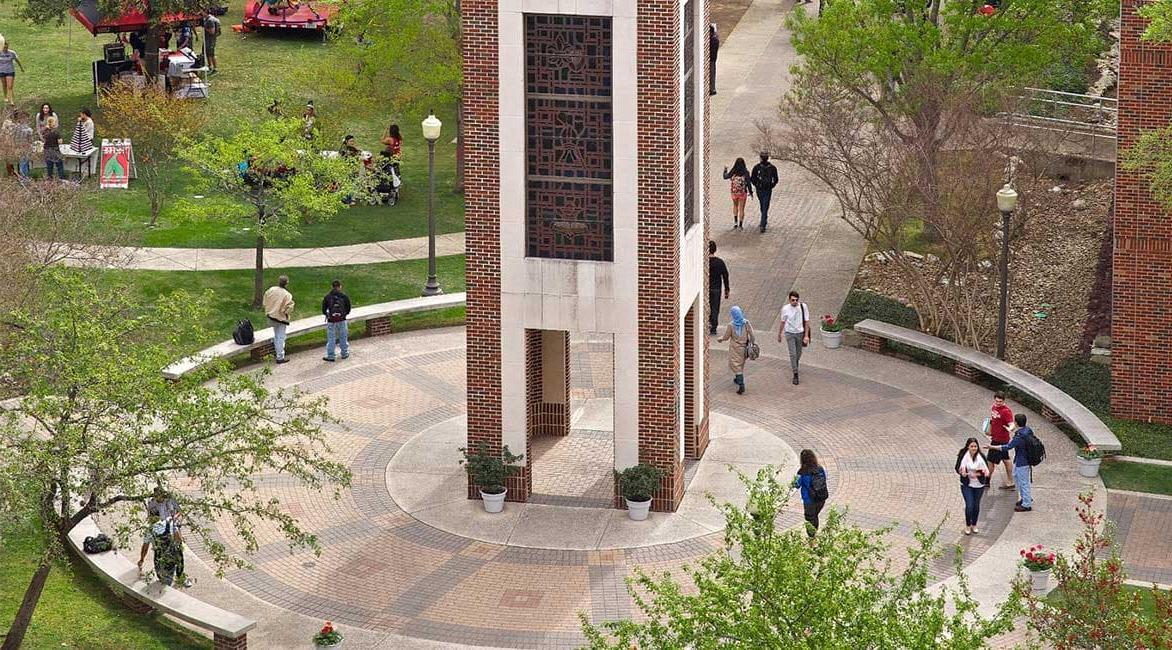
{"points": [[431, 133], [1006, 203]]}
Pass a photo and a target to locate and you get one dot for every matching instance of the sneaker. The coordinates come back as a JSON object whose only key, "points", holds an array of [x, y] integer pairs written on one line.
{"points": [[968, 531], [795, 379], [975, 530], [330, 359], [346, 355], [188, 583], [282, 361], [1021, 508], [741, 390], [1008, 487]]}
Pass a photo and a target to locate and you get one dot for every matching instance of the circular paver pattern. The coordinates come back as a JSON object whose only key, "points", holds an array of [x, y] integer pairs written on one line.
{"points": [[889, 454]]}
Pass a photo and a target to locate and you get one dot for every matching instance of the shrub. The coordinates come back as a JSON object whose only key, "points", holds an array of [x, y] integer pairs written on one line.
{"points": [[1036, 558], [640, 483], [831, 324], [1087, 382], [861, 305], [1068, 77], [489, 471]]}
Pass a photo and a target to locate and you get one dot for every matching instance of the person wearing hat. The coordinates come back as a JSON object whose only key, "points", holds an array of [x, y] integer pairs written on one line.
{"points": [[764, 177]]}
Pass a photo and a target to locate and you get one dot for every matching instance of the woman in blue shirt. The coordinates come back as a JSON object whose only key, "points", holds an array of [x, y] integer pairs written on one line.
{"points": [[811, 481]]}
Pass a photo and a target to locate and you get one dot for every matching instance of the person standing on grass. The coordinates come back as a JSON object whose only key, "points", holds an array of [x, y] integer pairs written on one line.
{"points": [[9, 61], [1021, 463], [794, 330], [974, 470], [278, 305], [52, 153], [21, 135], [211, 31], [717, 275], [738, 333], [43, 116], [336, 307], [1000, 418], [811, 483], [764, 178]]}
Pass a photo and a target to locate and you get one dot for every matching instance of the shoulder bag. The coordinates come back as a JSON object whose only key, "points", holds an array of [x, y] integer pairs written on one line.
{"points": [[752, 350]]}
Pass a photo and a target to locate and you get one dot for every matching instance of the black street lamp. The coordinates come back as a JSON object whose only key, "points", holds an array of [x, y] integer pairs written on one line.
{"points": [[431, 133], [1006, 203]]}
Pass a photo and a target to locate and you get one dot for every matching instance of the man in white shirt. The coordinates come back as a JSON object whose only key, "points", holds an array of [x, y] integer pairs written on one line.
{"points": [[794, 330]]}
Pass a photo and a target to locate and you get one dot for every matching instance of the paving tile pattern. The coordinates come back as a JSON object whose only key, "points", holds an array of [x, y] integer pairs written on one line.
{"points": [[1142, 528]]}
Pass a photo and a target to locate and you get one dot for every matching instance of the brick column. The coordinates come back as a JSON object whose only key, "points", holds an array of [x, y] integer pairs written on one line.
{"points": [[872, 343], [224, 643], [695, 433], [378, 326], [1050, 415], [968, 373], [261, 351]]}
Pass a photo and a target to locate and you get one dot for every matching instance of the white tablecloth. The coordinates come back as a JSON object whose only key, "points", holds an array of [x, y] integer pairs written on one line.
{"points": [[84, 163]]}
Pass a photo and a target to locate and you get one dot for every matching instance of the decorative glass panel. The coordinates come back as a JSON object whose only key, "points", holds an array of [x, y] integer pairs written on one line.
{"points": [[690, 126]]}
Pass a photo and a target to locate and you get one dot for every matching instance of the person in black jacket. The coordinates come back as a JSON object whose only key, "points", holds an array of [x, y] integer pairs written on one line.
{"points": [[974, 470], [717, 275], [336, 307], [713, 47], [764, 178]]}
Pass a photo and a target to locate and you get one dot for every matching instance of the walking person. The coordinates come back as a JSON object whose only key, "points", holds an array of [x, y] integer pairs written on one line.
{"points": [[52, 152], [336, 307], [278, 305], [811, 483], [764, 178], [163, 531], [717, 275], [8, 64], [738, 333], [741, 187], [974, 470], [713, 48], [1021, 463], [211, 32], [1000, 419], [794, 330]]}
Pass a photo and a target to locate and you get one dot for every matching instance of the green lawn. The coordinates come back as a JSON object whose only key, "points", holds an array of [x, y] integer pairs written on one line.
{"points": [[254, 69], [1146, 602], [1137, 477], [76, 610]]}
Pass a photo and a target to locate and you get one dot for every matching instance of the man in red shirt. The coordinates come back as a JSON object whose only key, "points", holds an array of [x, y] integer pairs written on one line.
{"points": [[1000, 417]]}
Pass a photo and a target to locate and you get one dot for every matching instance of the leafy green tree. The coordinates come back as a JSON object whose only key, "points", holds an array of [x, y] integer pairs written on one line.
{"points": [[767, 588], [1160, 13], [96, 427], [272, 178]]}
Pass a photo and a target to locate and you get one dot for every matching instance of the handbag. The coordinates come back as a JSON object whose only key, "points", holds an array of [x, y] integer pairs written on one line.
{"points": [[752, 350]]}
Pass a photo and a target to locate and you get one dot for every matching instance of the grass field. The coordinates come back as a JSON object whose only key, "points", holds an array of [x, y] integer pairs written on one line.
{"points": [[1137, 477], [254, 68], [76, 610]]}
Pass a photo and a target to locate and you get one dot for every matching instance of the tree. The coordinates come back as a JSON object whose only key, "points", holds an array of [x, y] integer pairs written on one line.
{"points": [[273, 178], [401, 54], [1160, 13], [97, 426], [767, 588], [1091, 608], [1151, 156], [155, 121]]}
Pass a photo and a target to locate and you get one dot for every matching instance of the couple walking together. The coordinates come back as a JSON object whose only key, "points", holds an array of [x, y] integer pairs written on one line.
{"points": [[794, 331]]}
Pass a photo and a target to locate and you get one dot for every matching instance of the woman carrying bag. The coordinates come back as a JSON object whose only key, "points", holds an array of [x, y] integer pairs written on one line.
{"points": [[741, 345], [974, 470]]}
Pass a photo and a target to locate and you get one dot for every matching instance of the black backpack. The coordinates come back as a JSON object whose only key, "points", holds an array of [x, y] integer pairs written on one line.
{"points": [[818, 489], [1035, 450], [243, 333], [98, 544], [337, 310]]}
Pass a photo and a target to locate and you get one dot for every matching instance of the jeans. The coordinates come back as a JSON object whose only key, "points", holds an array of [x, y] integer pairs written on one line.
{"points": [[58, 164], [337, 334], [1021, 476], [972, 502], [23, 167], [811, 511], [763, 197], [739, 380], [794, 343], [713, 309], [279, 337]]}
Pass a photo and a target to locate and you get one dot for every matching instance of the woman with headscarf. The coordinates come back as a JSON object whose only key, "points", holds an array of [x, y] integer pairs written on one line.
{"points": [[738, 333]]}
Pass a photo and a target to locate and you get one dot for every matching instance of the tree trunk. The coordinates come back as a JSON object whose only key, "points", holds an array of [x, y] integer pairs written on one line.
{"points": [[258, 278], [459, 189], [150, 59], [32, 596]]}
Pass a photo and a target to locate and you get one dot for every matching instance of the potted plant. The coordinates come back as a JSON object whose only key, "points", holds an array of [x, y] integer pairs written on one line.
{"points": [[1038, 561], [831, 332], [1089, 459], [328, 637], [637, 485], [489, 471]]}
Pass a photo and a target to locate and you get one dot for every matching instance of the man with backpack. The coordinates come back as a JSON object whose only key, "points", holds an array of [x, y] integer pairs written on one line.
{"points": [[1028, 451], [764, 178], [336, 307]]}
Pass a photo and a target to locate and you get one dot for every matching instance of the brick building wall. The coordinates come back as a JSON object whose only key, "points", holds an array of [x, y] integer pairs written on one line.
{"points": [[1141, 354]]}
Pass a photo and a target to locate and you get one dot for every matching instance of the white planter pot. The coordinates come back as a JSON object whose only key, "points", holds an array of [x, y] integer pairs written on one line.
{"points": [[1040, 580], [637, 510], [319, 646], [494, 502], [1089, 467], [831, 340]]}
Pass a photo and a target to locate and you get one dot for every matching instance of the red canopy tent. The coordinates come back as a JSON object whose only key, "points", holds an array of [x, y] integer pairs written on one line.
{"points": [[130, 20]]}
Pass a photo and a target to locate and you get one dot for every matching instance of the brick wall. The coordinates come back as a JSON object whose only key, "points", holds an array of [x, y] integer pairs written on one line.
{"points": [[704, 170], [1141, 351]]}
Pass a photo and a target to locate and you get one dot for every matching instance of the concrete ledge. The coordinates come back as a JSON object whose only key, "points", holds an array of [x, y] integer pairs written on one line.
{"points": [[379, 313], [122, 575], [1054, 401]]}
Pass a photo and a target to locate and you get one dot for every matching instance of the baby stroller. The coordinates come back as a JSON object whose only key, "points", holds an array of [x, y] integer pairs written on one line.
{"points": [[387, 189]]}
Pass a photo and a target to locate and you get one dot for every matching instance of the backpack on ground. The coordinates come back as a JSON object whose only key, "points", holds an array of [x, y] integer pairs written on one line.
{"points": [[97, 544], [1035, 450], [818, 488], [243, 334]]}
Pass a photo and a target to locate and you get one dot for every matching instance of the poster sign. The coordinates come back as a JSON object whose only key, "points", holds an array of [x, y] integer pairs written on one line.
{"points": [[116, 162]]}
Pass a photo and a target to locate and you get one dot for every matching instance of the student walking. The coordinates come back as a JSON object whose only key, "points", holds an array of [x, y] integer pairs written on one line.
{"points": [[336, 307], [764, 178], [9, 61], [717, 275], [1000, 419], [974, 470], [278, 304], [1022, 468], [741, 187], [794, 330], [811, 482], [713, 48], [739, 334]]}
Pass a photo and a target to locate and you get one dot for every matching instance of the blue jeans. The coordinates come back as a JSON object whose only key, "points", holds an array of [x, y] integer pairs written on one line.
{"points": [[24, 167], [972, 503], [1021, 476], [339, 334], [278, 338], [59, 165]]}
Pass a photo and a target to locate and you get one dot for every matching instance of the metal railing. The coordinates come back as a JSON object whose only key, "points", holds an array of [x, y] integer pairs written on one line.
{"points": [[1067, 111]]}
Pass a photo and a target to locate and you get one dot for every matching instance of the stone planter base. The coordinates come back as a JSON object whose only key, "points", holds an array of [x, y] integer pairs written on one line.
{"points": [[494, 502], [1089, 468], [637, 510], [831, 340], [1040, 580]]}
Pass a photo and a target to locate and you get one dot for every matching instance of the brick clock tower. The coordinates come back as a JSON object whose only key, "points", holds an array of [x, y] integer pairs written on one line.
{"points": [[1141, 354], [585, 212]]}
